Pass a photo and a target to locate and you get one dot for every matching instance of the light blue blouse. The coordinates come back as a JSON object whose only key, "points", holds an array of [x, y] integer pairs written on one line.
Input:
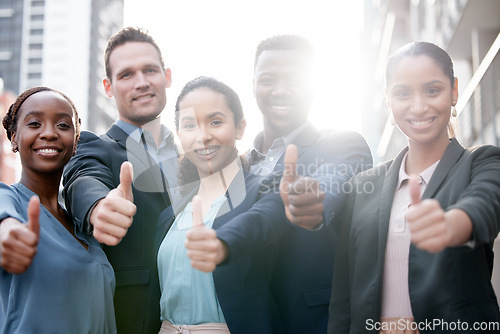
{"points": [[67, 289], [188, 295]]}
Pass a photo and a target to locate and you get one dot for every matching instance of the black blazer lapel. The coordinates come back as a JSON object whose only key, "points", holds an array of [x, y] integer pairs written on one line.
{"points": [[118, 135], [148, 176], [236, 198], [384, 203], [304, 140], [307, 137], [453, 152], [134, 151], [386, 199], [164, 223]]}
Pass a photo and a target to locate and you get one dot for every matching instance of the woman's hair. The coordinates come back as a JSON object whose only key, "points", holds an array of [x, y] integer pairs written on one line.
{"points": [[414, 49], [187, 170], [440, 56], [232, 99], [10, 119]]}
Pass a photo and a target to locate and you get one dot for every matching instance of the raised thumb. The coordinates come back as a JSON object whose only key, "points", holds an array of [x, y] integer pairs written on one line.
{"points": [[414, 185], [197, 212], [126, 178], [290, 170], [34, 215]]}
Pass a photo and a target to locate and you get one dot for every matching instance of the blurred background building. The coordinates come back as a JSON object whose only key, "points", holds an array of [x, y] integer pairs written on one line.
{"points": [[470, 31], [60, 44], [7, 157]]}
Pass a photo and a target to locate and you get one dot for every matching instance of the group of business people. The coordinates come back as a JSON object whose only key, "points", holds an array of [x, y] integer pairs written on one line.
{"points": [[200, 238]]}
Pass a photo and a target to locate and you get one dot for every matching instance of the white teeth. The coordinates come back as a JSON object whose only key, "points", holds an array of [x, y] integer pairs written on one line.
{"points": [[206, 151], [143, 97], [420, 123], [47, 151], [281, 108]]}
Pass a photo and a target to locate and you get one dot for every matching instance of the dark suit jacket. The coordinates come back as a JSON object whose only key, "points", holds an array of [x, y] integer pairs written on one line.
{"points": [[88, 177], [253, 221], [302, 278], [448, 286]]}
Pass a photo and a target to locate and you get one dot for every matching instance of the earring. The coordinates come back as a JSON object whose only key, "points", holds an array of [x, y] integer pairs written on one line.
{"points": [[453, 109], [14, 148]]}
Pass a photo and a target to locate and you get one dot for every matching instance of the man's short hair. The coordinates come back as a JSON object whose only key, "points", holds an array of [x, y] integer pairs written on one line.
{"points": [[285, 42], [128, 34]]}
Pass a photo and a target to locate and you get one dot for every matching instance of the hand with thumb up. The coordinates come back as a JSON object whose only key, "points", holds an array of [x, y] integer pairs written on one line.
{"points": [[204, 249], [302, 196], [433, 229], [18, 241], [113, 215]]}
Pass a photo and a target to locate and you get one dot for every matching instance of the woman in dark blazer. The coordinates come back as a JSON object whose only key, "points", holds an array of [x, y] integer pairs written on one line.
{"points": [[228, 229], [415, 253]]}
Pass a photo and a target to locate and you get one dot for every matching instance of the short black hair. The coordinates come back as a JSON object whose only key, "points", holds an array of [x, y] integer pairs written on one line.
{"points": [[285, 42]]}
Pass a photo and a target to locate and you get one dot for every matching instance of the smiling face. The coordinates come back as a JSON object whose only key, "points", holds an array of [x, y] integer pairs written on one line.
{"points": [[282, 89], [45, 133], [138, 82], [207, 131], [420, 97]]}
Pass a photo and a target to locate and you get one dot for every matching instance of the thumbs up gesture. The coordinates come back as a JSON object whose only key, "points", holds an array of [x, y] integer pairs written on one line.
{"points": [[113, 215], [302, 196], [427, 221], [204, 249], [433, 229], [18, 241]]}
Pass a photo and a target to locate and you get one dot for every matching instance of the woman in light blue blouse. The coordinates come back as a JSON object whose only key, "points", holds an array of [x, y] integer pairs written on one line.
{"points": [[52, 279], [216, 260]]}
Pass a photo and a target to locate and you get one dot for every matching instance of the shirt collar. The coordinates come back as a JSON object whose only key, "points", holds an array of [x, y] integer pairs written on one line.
{"points": [[135, 132], [129, 129], [425, 176], [255, 150]]}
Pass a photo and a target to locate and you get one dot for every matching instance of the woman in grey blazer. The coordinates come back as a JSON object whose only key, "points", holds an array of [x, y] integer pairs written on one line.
{"points": [[415, 252]]}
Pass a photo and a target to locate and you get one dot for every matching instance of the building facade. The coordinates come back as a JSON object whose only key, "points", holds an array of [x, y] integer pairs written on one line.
{"points": [[469, 30], [8, 161], [60, 44]]}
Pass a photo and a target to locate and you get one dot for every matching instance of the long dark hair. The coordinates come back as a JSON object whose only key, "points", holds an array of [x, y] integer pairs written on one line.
{"points": [[188, 174]]}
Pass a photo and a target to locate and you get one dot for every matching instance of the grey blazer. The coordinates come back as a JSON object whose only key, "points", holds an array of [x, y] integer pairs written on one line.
{"points": [[450, 286]]}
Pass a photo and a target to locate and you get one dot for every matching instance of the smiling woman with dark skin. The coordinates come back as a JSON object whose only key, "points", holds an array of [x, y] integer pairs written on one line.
{"points": [[61, 280]]}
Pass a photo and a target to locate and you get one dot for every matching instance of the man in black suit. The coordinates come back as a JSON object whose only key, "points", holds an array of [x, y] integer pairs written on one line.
{"points": [[136, 78], [313, 192]]}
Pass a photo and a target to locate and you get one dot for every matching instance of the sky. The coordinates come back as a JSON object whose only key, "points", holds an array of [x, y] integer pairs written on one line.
{"points": [[218, 38]]}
